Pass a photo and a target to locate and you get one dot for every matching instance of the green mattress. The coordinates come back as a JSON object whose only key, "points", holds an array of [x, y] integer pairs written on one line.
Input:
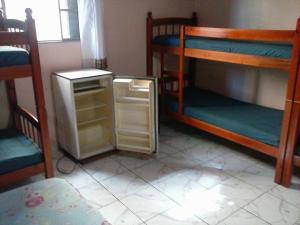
{"points": [[256, 122], [282, 51], [12, 56], [17, 151]]}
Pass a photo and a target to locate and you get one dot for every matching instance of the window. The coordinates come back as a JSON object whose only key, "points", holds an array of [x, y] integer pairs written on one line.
{"points": [[2, 5], [55, 19]]}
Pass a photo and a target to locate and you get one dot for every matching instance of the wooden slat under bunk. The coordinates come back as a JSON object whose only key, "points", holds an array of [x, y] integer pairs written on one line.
{"points": [[7, 73], [229, 135], [17, 38], [235, 58], [272, 36]]}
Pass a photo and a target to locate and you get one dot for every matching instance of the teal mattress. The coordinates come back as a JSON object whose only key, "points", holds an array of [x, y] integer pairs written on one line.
{"points": [[48, 202], [282, 51], [17, 151], [256, 122], [12, 56]]}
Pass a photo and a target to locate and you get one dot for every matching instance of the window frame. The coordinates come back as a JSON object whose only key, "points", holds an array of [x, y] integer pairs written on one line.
{"points": [[3, 8], [69, 10]]}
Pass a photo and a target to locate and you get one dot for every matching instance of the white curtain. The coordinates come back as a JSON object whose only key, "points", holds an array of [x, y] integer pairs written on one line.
{"points": [[90, 14]]}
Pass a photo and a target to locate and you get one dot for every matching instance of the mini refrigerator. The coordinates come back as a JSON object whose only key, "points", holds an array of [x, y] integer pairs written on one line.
{"points": [[97, 112]]}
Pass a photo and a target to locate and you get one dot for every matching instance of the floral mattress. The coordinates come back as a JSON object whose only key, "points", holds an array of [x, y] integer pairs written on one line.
{"points": [[49, 202]]}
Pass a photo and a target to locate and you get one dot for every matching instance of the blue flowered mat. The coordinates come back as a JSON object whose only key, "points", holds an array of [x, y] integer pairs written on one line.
{"points": [[49, 202]]}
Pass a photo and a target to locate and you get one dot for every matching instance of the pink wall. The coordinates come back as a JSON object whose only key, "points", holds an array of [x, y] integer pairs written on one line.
{"points": [[54, 56]]}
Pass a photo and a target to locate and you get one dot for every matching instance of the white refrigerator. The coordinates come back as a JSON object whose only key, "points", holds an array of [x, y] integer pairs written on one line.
{"points": [[97, 112]]}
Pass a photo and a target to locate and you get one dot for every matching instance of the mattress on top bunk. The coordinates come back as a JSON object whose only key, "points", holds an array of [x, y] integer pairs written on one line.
{"points": [[12, 56], [256, 122], [277, 50]]}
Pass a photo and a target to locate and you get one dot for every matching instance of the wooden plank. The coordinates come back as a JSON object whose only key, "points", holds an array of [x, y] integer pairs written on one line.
{"points": [[29, 116], [173, 74], [174, 20], [231, 136], [172, 93], [149, 49], [283, 141], [242, 34], [294, 76], [297, 161], [39, 94], [241, 59], [181, 71], [292, 144], [20, 175], [13, 38], [165, 49], [14, 72]]}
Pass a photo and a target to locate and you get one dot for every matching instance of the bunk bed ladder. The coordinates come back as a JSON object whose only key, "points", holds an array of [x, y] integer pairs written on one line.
{"points": [[172, 77]]}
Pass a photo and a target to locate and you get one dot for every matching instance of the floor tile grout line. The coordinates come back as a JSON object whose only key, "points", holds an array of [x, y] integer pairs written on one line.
{"points": [[170, 198], [117, 198], [239, 208], [244, 207], [270, 193], [257, 216], [234, 176], [232, 213]]}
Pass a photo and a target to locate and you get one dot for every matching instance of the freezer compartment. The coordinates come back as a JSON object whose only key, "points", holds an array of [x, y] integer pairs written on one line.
{"points": [[90, 85], [92, 99]]}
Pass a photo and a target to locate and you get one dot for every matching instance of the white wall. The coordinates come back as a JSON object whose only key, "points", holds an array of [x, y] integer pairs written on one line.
{"points": [[265, 87], [125, 30], [54, 56]]}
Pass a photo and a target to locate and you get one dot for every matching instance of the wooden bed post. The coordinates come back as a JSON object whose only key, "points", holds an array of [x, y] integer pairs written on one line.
{"points": [[149, 36], [291, 146], [39, 93], [181, 70], [192, 64], [294, 100]]}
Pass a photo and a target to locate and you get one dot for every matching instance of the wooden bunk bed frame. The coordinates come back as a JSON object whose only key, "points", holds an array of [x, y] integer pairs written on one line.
{"points": [[284, 154], [23, 34]]}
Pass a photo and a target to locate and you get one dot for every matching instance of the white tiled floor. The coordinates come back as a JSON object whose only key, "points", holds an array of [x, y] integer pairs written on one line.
{"points": [[195, 180]]}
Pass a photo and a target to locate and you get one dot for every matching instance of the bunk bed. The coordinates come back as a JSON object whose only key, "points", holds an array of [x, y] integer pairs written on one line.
{"points": [[24, 147], [260, 128]]}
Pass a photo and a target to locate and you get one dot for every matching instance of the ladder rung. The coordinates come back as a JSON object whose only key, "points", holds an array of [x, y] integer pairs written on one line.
{"points": [[168, 80], [173, 74], [172, 93]]}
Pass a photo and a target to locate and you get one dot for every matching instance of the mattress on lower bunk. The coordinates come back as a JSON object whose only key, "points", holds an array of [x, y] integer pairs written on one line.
{"points": [[12, 56], [282, 51], [259, 123], [17, 151], [52, 202]]}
